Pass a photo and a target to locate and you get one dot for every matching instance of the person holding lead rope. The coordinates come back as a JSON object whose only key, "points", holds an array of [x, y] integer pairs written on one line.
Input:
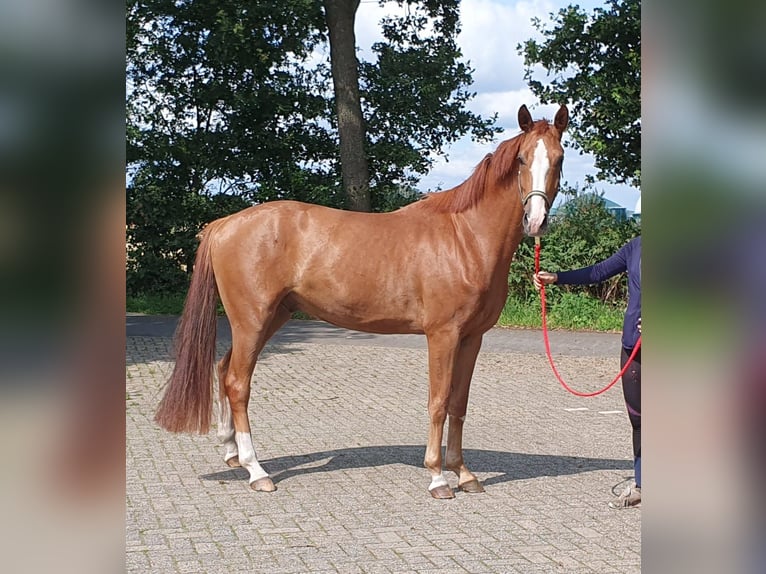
{"points": [[626, 260]]}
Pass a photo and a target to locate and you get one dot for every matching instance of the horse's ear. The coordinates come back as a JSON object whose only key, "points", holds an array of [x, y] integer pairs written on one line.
{"points": [[562, 119], [525, 119]]}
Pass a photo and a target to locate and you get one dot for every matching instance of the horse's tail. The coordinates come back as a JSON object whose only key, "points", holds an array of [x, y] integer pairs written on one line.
{"points": [[187, 404]]}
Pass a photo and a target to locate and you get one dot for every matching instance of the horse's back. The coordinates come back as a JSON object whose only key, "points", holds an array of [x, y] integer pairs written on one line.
{"points": [[300, 230]]}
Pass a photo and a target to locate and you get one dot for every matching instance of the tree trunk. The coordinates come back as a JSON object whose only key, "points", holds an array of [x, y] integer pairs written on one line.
{"points": [[340, 16]]}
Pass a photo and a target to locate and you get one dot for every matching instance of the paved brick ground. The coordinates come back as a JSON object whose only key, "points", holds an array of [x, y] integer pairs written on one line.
{"points": [[342, 429]]}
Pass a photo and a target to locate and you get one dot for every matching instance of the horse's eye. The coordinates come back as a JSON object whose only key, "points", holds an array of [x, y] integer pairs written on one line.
{"points": [[521, 160]]}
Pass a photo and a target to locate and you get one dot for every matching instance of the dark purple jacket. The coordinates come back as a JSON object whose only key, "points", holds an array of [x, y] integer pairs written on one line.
{"points": [[627, 258]]}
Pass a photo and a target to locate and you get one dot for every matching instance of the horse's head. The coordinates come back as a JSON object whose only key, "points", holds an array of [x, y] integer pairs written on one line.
{"points": [[539, 163]]}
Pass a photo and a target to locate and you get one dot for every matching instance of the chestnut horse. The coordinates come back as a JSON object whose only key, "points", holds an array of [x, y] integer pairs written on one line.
{"points": [[437, 267]]}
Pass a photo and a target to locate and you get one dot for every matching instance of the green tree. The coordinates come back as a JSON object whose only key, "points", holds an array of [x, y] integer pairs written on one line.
{"points": [[394, 113], [221, 113], [217, 91], [594, 62]]}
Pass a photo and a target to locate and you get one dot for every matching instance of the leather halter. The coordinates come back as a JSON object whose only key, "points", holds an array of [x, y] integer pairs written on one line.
{"points": [[525, 198]]}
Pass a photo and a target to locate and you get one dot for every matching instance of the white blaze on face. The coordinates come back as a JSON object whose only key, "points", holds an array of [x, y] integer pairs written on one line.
{"points": [[536, 208]]}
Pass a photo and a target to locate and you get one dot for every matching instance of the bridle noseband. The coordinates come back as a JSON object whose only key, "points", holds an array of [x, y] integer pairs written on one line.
{"points": [[525, 198]]}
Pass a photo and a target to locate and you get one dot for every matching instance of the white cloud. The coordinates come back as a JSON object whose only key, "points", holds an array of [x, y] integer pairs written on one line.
{"points": [[491, 32]]}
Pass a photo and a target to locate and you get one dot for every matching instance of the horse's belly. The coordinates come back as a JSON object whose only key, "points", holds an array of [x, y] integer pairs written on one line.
{"points": [[376, 314]]}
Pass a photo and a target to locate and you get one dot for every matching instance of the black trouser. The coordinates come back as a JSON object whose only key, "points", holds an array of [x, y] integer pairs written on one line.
{"points": [[631, 390]]}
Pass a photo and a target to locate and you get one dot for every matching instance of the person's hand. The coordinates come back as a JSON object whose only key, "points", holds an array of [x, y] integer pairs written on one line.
{"points": [[544, 278]]}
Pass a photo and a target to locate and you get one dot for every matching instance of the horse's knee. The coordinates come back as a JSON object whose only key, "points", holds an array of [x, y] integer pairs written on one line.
{"points": [[437, 411]]}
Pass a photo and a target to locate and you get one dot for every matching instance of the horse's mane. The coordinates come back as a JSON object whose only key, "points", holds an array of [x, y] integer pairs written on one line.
{"points": [[495, 167]]}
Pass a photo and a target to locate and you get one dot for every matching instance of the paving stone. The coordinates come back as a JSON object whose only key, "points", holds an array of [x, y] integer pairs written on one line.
{"points": [[341, 425]]}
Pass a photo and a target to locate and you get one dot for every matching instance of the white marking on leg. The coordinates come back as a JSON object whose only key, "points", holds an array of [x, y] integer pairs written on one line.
{"points": [[247, 456], [539, 168], [226, 429], [437, 481]]}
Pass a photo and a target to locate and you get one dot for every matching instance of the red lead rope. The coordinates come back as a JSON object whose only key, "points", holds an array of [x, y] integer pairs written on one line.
{"points": [[548, 343]]}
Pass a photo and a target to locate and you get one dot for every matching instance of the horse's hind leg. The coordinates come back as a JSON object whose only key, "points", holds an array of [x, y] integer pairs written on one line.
{"points": [[246, 346], [225, 421], [237, 387], [458, 405]]}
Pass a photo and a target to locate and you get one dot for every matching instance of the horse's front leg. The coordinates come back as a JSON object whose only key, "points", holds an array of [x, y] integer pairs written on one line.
{"points": [[441, 365], [458, 405]]}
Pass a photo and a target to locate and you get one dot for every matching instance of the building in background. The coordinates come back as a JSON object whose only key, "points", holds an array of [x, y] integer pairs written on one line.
{"points": [[620, 213]]}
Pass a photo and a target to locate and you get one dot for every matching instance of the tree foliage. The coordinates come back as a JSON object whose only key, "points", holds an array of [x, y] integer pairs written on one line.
{"points": [[415, 95], [220, 114], [594, 62], [216, 90]]}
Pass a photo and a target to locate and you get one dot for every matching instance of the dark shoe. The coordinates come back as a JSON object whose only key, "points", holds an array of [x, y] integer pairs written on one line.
{"points": [[629, 498]]}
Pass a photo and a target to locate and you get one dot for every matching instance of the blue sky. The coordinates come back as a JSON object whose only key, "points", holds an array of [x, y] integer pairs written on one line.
{"points": [[491, 30]]}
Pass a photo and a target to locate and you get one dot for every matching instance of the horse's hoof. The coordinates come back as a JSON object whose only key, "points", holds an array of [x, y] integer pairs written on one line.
{"points": [[233, 462], [442, 492], [264, 484], [472, 486]]}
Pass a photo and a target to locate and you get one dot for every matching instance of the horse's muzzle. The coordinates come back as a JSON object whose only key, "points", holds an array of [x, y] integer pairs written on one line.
{"points": [[535, 231]]}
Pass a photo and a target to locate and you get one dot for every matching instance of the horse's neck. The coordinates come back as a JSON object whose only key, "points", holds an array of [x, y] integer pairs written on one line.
{"points": [[496, 222], [497, 217]]}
